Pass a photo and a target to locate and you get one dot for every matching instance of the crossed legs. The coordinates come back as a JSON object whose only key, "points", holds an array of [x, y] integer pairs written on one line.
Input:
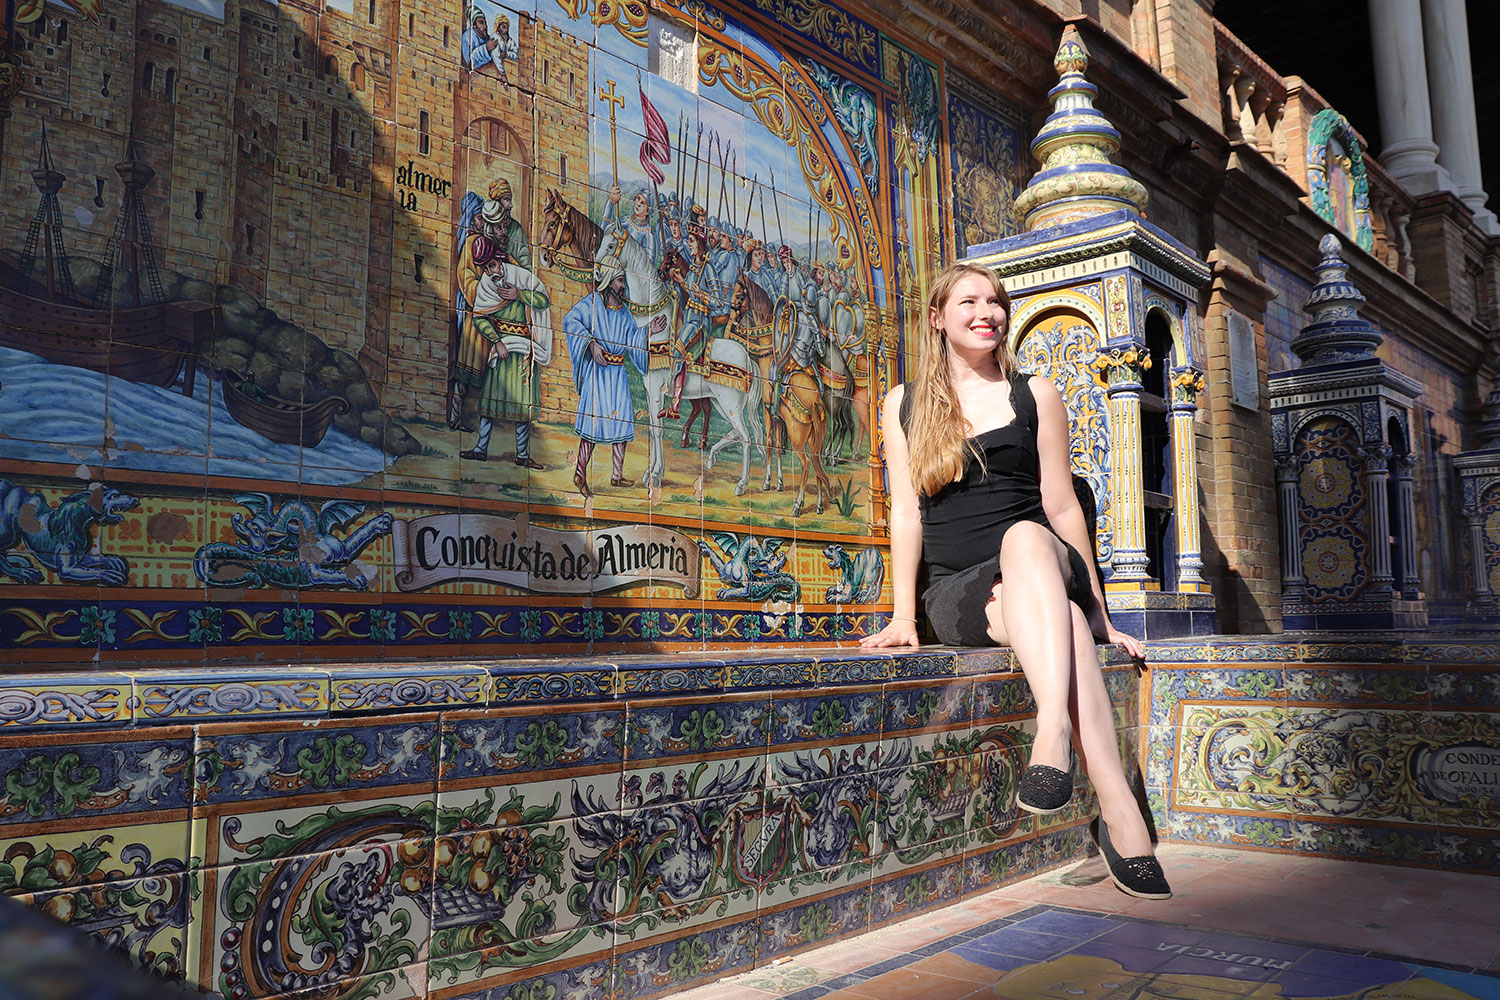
{"points": [[1059, 657]]}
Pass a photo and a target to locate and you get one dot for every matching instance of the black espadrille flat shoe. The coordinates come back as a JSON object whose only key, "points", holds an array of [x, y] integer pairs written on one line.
{"points": [[1140, 876], [1045, 790]]}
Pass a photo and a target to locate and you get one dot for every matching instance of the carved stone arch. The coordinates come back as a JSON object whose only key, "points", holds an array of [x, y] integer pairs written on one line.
{"points": [[1336, 412], [1326, 125], [1039, 307], [1182, 351]]}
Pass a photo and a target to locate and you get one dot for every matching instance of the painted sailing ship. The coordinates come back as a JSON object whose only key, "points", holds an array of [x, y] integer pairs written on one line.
{"points": [[285, 421], [149, 341]]}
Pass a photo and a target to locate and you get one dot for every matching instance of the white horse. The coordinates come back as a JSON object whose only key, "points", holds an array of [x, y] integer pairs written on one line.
{"points": [[649, 297]]}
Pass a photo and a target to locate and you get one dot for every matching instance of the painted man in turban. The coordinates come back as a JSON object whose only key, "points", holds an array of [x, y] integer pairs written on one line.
{"points": [[508, 335], [484, 52], [603, 337]]}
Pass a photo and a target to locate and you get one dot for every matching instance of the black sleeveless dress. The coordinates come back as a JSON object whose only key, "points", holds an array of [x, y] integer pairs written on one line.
{"points": [[967, 520]]}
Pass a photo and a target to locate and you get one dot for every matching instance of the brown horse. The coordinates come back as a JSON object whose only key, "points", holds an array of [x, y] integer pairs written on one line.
{"points": [[800, 425], [570, 239]]}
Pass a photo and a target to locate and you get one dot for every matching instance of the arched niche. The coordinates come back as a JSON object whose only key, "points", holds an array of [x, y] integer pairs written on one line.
{"points": [[1331, 517], [1336, 177], [1059, 337]]}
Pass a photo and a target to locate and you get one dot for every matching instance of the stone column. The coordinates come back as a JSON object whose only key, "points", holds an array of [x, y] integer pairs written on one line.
{"points": [[1445, 34], [1376, 475], [1406, 517], [1186, 383], [1288, 469], [1481, 570], [1401, 86], [1122, 368]]}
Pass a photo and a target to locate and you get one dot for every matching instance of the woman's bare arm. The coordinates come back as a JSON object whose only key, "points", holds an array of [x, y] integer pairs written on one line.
{"points": [[906, 531], [1061, 503]]}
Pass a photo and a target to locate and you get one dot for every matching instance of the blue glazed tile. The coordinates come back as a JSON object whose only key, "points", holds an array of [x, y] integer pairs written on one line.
{"points": [[693, 727], [1233, 943], [825, 716], [918, 706], [823, 920], [1077, 926], [889, 965], [539, 683], [229, 694], [680, 677], [789, 672], [1466, 686], [911, 665], [1017, 942], [49, 701], [103, 776], [484, 745], [1002, 697], [251, 763], [1149, 936], [407, 686], [1362, 969], [854, 668], [677, 965], [987, 661], [1294, 985], [990, 959], [1191, 965]]}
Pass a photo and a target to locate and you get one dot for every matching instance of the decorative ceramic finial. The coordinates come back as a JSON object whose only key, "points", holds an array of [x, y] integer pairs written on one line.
{"points": [[1077, 179], [1336, 333]]}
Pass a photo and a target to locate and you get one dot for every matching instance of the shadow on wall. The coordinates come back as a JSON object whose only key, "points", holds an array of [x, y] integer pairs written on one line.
{"points": [[200, 200], [1238, 609]]}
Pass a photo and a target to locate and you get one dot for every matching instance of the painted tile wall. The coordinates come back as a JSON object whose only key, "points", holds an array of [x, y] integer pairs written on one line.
{"points": [[250, 356], [1381, 750]]}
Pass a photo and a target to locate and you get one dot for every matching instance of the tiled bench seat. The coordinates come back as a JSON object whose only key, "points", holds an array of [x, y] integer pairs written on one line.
{"points": [[626, 827]]}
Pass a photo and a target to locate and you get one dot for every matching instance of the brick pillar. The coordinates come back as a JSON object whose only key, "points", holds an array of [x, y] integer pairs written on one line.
{"points": [[1241, 552]]}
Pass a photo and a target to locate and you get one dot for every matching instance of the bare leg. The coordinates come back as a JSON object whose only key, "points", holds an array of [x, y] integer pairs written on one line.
{"points": [[1099, 747], [1060, 659], [1038, 625]]}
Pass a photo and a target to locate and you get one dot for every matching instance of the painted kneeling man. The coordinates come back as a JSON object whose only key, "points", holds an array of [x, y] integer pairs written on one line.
{"points": [[602, 337], [503, 294]]}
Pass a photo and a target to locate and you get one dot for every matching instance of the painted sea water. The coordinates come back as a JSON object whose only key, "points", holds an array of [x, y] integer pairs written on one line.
{"points": [[51, 412]]}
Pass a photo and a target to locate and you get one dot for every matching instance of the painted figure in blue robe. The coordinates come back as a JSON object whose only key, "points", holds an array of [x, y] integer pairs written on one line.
{"points": [[484, 52], [603, 337]]}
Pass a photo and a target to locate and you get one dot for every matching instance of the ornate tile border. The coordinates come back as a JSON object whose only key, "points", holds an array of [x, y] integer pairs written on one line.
{"points": [[45, 701]]}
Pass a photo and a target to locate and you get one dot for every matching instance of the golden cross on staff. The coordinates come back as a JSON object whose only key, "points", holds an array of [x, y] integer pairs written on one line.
{"points": [[614, 101]]}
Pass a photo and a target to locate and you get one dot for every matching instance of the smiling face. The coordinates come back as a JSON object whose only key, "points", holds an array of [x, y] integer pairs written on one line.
{"points": [[974, 317]]}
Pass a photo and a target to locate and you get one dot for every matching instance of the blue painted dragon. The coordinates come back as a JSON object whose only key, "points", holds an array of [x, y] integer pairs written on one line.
{"points": [[290, 545]]}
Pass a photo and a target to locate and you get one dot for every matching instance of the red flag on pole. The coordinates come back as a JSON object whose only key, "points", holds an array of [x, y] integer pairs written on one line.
{"points": [[656, 149]]}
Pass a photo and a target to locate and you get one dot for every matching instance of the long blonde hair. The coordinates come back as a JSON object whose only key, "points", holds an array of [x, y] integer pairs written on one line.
{"points": [[937, 433]]}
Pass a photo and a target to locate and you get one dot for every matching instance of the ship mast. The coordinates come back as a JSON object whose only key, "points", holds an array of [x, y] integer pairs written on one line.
{"points": [[46, 229], [132, 237]]}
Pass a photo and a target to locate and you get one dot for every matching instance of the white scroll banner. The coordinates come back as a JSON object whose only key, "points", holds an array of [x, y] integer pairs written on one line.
{"points": [[487, 548], [1463, 771]]}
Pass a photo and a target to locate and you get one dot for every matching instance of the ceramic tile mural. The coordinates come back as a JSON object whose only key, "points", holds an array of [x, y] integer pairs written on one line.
{"points": [[626, 835], [1311, 751], [311, 337]]}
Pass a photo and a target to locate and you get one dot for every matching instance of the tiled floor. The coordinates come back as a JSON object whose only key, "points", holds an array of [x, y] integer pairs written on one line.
{"points": [[1243, 925]]}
